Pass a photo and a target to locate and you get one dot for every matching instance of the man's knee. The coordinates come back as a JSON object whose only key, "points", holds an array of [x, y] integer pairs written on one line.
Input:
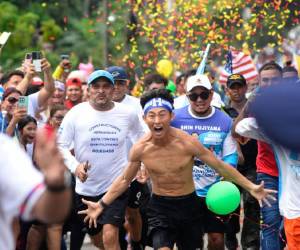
{"points": [[110, 235], [97, 240], [216, 241]]}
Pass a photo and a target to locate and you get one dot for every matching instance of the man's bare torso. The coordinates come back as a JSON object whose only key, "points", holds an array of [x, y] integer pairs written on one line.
{"points": [[170, 165]]}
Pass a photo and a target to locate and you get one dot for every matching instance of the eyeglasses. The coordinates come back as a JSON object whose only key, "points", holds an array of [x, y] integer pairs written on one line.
{"points": [[12, 100], [203, 95]]}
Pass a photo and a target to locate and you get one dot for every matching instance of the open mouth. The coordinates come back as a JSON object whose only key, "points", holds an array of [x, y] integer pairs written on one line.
{"points": [[158, 129]]}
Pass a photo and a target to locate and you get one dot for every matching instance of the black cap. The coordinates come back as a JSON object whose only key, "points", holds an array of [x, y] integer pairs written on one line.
{"points": [[235, 78]]}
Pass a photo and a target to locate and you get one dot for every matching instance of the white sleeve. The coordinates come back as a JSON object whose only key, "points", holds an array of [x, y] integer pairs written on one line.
{"points": [[66, 134], [33, 105], [137, 130], [249, 128], [21, 183]]}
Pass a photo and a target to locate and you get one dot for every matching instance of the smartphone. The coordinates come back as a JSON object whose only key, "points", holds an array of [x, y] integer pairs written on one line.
{"points": [[138, 71], [64, 57], [36, 60], [23, 102]]}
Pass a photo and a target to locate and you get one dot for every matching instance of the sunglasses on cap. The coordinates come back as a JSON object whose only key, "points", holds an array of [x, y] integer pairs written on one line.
{"points": [[12, 100], [203, 95]]}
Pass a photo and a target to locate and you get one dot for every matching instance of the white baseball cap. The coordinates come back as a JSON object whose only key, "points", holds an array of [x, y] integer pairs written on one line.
{"points": [[198, 81]]}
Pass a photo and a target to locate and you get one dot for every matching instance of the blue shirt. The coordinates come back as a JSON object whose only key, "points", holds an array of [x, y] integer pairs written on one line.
{"points": [[214, 132]]}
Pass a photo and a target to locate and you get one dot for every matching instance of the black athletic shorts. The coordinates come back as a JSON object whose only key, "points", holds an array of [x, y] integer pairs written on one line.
{"points": [[175, 220], [212, 223], [138, 193], [114, 214]]}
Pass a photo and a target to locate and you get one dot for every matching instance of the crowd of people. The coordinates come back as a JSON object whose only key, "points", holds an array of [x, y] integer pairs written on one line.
{"points": [[139, 169]]}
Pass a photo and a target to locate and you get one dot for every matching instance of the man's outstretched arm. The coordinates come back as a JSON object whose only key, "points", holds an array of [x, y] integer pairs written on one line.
{"points": [[231, 174]]}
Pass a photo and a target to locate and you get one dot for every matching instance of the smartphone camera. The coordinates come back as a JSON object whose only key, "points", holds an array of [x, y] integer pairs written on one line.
{"points": [[64, 57], [23, 102], [67, 65], [36, 60]]}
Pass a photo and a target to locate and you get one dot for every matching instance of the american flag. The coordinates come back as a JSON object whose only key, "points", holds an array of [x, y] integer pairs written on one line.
{"points": [[238, 63]]}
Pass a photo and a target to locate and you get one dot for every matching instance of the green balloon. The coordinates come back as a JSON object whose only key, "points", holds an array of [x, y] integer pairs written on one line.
{"points": [[223, 197], [171, 86]]}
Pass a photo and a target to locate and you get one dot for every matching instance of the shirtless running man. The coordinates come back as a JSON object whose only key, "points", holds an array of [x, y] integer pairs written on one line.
{"points": [[174, 213]]}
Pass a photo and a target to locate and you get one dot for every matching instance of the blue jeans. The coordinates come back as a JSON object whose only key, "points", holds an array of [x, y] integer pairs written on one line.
{"points": [[270, 235]]}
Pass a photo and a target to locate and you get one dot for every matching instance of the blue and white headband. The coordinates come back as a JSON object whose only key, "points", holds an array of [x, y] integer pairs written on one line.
{"points": [[157, 103]]}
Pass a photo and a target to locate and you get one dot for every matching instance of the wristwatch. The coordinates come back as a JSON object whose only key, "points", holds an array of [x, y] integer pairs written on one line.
{"points": [[62, 187], [103, 204]]}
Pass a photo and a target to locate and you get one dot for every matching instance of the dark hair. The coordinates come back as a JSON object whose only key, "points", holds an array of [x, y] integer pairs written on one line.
{"points": [[179, 78], [188, 73], [271, 65], [289, 69], [56, 108], [7, 76], [161, 93], [9, 91], [32, 89], [151, 78], [24, 121]]}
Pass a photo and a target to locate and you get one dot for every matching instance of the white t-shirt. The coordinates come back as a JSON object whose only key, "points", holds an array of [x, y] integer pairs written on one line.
{"points": [[21, 186], [134, 103], [100, 138], [33, 104], [288, 163]]}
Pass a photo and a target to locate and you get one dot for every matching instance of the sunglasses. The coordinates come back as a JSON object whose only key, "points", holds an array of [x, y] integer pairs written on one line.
{"points": [[12, 100], [203, 95]]}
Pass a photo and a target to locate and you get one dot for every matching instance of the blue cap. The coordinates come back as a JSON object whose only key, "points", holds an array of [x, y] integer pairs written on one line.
{"points": [[98, 74], [118, 73]]}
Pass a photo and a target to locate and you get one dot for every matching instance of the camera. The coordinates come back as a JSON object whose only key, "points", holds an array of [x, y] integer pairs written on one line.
{"points": [[64, 57]]}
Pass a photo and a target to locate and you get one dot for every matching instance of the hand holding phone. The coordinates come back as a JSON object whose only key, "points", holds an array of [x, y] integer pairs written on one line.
{"points": [[65, 63]]}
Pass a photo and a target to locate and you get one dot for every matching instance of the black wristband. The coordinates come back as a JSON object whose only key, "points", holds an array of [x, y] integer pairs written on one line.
{"points": [[103, 204]]}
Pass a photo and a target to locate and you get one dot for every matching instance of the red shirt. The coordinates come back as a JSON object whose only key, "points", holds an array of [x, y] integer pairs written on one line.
{"points": [[265, 160], [69, 104]]}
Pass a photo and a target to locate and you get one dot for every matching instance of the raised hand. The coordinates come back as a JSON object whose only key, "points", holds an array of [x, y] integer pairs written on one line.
{"points": [[92, 212], [19, 113], [30, 71], [262, 194], [46, 66], [49, 159]]}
